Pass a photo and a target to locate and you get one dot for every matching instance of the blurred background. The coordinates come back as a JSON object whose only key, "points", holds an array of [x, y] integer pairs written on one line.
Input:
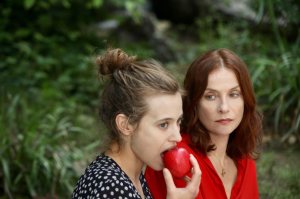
{"points": [[49, 89]]}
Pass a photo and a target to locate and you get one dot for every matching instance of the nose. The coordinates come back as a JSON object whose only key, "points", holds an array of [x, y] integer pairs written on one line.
{"points": [[176, 136], [223, 106]]}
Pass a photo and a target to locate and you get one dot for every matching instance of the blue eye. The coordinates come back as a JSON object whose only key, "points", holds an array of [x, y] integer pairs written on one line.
{"points": [[210, 97], [164, 125]]}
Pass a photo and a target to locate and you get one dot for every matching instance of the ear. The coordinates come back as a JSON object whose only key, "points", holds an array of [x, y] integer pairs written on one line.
{"points": [[123, 125]]}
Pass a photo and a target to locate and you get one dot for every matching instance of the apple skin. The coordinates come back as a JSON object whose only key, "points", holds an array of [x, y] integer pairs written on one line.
{"points": [[177, 160]]}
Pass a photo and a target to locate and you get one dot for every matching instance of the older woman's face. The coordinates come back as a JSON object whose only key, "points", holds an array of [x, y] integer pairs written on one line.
{"points": [[221, 107]]}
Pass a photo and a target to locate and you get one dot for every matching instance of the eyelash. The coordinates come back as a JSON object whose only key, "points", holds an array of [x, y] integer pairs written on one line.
{"points": [[211, 97], [235, 94], [164, 125]]}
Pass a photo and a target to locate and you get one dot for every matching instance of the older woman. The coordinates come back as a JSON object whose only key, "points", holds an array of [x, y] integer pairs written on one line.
{"points": [[221, 128]]}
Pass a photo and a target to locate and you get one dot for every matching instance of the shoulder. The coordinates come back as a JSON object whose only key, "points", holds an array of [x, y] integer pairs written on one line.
{"points": [[102, 178], [248, 164], [251, 163], [247, 160], [102, 169]]}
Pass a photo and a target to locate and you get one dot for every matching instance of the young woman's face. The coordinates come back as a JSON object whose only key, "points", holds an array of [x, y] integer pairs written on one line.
{"points": [[221, 107], [159, 129]]}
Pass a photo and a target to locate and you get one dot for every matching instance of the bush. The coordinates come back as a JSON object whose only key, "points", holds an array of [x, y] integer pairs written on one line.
{"points": [[38, 153], [278, 84], [48, 91]]}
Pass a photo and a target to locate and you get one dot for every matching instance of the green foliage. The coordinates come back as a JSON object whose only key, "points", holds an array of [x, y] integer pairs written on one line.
{"points": [[273, 61], [278, 174], [49, 87], [278, 86], [281, 72], [35, 157]]}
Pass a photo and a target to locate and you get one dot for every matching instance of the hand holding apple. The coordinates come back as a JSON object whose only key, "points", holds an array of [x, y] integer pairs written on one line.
{"points": [[177, 160], [191, 190]]}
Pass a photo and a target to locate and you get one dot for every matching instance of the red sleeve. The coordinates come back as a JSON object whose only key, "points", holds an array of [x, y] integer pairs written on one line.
{"points": [[156, 183]]}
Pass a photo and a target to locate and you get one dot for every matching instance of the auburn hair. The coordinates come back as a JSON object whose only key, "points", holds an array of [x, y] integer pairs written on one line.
{"points": [[246, 138]]}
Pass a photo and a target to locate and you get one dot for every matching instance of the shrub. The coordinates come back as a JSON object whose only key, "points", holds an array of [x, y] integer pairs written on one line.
{"points": [[38, 153]]}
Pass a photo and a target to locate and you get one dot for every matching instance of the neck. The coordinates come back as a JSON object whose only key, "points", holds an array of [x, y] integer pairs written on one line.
{"points": [[127, 160], [219, 157], [221, 143]]}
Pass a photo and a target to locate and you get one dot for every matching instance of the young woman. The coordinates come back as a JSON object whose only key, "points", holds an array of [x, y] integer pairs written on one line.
{"points": [[221, 128], [141, 106]]}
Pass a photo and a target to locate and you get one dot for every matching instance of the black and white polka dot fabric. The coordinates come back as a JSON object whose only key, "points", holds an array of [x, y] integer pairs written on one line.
{"points": [[105, 179]]}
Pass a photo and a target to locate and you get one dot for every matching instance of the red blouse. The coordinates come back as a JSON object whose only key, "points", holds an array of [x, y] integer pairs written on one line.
{"points": [[211, 187]]}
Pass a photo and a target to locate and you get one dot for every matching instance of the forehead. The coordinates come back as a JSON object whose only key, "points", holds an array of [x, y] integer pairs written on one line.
{"points": [[222, 78], [164, 105]]}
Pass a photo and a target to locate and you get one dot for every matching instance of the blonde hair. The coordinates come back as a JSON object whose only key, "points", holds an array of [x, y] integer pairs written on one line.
{"points": [[129, 81]]}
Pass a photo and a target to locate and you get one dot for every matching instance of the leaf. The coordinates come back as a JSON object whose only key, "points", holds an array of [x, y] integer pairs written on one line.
{"points": [[97, 3], [28, 3], [6, 172], [30, 186]]}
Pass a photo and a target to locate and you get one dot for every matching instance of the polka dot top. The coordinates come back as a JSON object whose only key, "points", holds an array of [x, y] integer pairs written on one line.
{"points": [[104, 178]]}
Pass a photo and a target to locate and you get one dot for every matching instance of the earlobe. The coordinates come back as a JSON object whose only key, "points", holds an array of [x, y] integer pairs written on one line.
{"points": [[123, 125]]}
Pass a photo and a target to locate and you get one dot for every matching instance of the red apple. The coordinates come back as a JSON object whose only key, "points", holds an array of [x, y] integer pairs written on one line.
{"points": [[177, 160]]}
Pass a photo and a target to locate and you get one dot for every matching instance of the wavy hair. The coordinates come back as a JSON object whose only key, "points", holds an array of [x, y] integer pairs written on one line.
{"points": [[246, 138]]}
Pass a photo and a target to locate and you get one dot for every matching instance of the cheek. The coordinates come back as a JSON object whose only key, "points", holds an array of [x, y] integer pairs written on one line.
{"points": [[147, 140], [241, 112], [239, 109], [142, 146], [148, 148], [142, 139], [205, 111]]}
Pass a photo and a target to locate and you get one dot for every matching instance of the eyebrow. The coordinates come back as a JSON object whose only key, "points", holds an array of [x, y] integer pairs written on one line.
{"points": [[166, 119], [210, 89]]}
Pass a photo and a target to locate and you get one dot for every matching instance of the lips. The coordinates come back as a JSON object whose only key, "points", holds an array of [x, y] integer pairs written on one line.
{"points": [[224, 121], [165, 151]]}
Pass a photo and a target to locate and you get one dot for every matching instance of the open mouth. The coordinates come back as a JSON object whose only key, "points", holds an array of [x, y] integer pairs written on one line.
{"points": [[163, 153]]}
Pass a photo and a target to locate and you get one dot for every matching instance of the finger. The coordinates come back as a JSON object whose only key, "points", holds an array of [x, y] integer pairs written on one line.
{"points": [[194, 162], [168, 179], [196, 178], [187, 179]]}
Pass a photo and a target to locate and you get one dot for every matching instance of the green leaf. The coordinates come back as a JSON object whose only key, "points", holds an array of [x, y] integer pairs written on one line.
{"points": [[28, 3], [97, 3], [6, 173]]}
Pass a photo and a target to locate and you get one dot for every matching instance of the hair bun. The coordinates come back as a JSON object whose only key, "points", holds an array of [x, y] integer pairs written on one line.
{"points": [[113, 59]]}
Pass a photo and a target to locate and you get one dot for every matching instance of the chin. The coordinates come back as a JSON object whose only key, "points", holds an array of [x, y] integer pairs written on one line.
{"points": [[226, 131], [156, 167], [223, 133]]}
